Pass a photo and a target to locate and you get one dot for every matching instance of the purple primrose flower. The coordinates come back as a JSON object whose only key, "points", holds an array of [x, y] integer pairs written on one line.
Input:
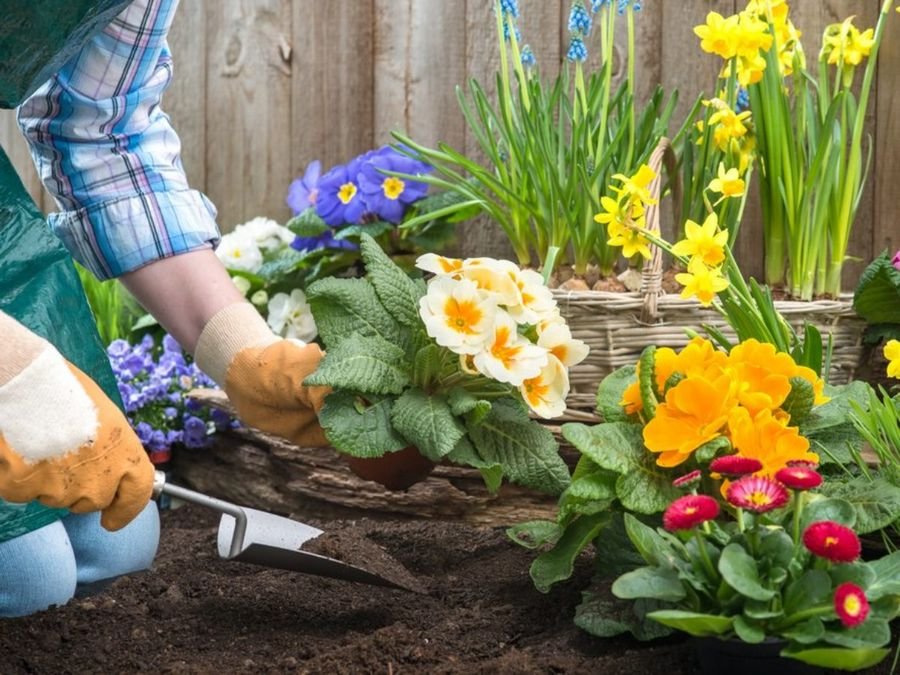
{"points": [[304, 192], [388, 196], [339, 200]]}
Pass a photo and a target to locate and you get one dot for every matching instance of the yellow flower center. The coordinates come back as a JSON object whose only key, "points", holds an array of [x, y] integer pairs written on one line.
{"points": [[759, 498], [393, 187], [852, 605], [502, 349], [347, 192], [535, 390], [449, 265], [691, 510], [462, 316], [560, 352], [830, 541]]}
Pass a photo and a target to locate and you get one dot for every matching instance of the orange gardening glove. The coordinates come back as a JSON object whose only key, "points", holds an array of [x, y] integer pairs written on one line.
{"points": [[66, 445], [263, 375]]}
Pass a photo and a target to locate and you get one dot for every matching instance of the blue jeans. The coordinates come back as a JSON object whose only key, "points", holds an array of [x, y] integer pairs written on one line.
{"points": [[47, 566]]}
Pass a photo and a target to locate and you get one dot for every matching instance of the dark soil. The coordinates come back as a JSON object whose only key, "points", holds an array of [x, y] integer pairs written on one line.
{"points": [[196, 614]]}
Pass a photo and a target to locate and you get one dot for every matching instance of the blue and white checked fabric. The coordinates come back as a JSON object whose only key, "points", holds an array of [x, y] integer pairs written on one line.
{"points": [[108, 153]]}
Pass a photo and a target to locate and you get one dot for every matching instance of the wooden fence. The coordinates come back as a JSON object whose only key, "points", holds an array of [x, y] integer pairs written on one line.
{"points": [[264, 86]]}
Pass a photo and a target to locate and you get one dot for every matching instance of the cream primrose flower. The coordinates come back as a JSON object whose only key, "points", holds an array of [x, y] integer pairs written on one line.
{"points": [[238, 251], [268, 235], [535, 302], [438, 264], [290, 316], [458, 315], [509, 357], [494, 276], [557, 339], [546, 393]]}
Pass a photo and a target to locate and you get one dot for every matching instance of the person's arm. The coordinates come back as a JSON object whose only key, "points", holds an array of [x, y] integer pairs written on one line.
{"points": [[109, 155]]}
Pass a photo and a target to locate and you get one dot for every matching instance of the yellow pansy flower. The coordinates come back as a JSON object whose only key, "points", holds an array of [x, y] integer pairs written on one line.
{"points": [[727, 183], [703, 241], [892, 354], [701, 282]]}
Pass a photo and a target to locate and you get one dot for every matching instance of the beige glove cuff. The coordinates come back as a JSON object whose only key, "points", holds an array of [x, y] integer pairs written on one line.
{"points": [[231, 330], [20, 347]]}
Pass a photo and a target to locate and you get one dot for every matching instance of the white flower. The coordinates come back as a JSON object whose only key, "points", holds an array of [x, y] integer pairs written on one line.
{"points": [[241, 284], [439, 265], [268, 235], [493, 276], [238, 251], [557, 339], [509, 357], [546, 393], [535, 301], [290, 316], [458, 315]]}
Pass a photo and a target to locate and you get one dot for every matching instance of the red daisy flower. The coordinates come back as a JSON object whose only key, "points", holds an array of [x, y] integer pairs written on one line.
{"points": [[688, 479], [757, 493], [832, 541], [735, 466], [802, 462], [799, 477], [687, 512], [851, 604]]}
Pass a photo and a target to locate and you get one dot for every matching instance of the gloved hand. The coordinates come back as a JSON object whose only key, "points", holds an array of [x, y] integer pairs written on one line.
{"points": [[263, 374], [62, 441]]}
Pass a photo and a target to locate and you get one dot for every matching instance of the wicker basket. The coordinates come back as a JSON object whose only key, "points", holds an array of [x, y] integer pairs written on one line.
{"points": [[618, 326]]}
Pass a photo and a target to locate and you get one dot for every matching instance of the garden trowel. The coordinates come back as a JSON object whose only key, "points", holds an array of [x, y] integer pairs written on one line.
{"points": [[259, 538]]}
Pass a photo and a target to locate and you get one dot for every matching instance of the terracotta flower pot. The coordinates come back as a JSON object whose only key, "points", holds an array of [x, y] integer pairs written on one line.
{"points": [[742, 658], [395, 470]]}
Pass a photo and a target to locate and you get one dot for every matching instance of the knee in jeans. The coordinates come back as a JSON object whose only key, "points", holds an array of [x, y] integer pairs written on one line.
{"points": [[37, 571]]}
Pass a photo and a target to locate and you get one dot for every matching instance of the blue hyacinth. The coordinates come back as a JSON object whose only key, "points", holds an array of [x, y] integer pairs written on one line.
{"points": [[623, 5], [510, 8], [579, 19], [743, 100], [528, 58], [577, 51], [597, 5], [153, 381], [506, 24]]}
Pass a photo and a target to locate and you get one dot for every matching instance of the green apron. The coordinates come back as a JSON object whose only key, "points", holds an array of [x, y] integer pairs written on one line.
{"points": [[38, 282]]}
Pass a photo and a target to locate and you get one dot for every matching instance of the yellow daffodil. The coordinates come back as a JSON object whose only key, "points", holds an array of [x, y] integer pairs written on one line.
{"points": [[892, 354], [458, 315], [546, 393], [727, 183], [726, 123], [703, 241], [717, 35], [767, 439], [769, 10], [694, 412], [845, 45], [701, 282], [632, 242], [507, 356], [614, 211], [637, 187]]}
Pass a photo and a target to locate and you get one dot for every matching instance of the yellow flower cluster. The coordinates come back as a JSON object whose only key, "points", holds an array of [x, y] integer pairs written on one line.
{"points": [[708, 393], [845, 46], [731, 132], [625, 216], [704, 246], [744, 38], [892, 349]]}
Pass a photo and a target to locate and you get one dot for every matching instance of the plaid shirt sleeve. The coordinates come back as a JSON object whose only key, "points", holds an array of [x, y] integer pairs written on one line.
{"points": [[108, 153]]}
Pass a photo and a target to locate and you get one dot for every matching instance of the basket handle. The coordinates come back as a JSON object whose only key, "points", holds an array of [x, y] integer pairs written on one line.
{"points": [[651, 274]]}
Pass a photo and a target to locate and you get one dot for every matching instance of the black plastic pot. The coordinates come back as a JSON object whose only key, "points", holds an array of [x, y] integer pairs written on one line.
{"points": [[733, 657]]}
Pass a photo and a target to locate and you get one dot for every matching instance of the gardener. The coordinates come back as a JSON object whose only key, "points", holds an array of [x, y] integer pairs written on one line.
{"points": [[75, 479]]}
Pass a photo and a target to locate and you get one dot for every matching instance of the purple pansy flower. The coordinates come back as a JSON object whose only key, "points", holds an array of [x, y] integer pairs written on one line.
{"points": [[388, 196], [340, 200], [304, 192]]}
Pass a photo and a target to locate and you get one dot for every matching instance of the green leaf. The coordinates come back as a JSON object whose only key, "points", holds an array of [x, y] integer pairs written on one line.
{"points": [[434, 236], [659, 583], [603, 615], [397, 292], [526, 450], [761, 610], [464, 453], [887, 574], [877, 297], [587, 495], [350, 307], [610, 392], [812, 588], [739, 570], [642, 486], [806, 632], [829, 427], [428, 364], [377, 229], [307, 224], [535, 533], [871, 633], [693, 623], [616, 554], [837, 659], [838, 510], [712, 449], [647, 541], [367, 365], [272, 271], [359, 430], [860, 573], [427, 423], [799, 401], [557, 564], [748, 630], [776, 548], [647, 381], [876, 500]]}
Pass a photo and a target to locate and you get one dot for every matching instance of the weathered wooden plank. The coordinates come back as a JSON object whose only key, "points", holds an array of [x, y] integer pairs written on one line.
{"points": [[248, 92], [15, 146], [185, 101], [332, 83], [885, 227]]}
